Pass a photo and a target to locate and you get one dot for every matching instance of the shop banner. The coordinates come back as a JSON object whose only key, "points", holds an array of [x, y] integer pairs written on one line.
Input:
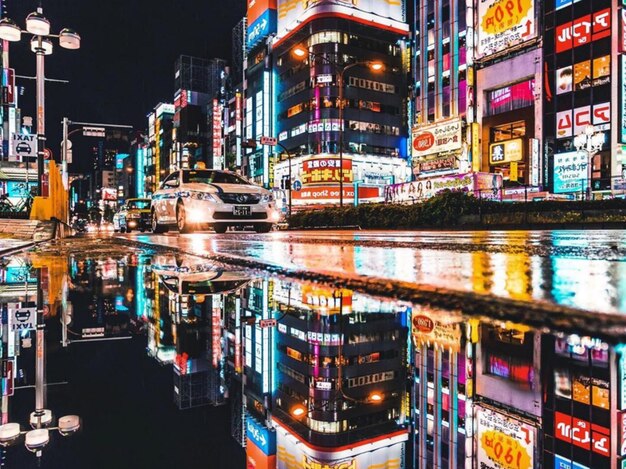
{"points": [[503, 24], [328, 194], [504, 442], [563, 463], [431, 139], [583, 434], [483, 185], [326, 170], [570, 172], [506, 151], [583, 30]]}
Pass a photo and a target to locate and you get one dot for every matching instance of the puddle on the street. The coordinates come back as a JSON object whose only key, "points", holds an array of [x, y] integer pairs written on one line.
{"points": [[172, 361]]}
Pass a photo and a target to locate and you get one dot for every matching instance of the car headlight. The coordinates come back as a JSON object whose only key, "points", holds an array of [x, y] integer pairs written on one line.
{"points": [[266, 198], [201, 196]]}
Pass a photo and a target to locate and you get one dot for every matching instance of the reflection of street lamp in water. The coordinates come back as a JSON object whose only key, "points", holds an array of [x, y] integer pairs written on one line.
{"points": [[590, 142], [41, 419]]}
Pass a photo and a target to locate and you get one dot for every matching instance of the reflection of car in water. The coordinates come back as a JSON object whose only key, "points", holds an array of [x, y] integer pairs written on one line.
{"points": [[187, 278], [134, 215]]}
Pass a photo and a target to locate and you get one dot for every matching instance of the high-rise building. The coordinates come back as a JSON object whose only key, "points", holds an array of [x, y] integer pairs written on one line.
{"points": [[197, 82], [160, 159], [316, 45], [583, 93]]}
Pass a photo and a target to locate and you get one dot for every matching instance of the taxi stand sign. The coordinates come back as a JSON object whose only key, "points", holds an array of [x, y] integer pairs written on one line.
{"points": [[22, 145]]}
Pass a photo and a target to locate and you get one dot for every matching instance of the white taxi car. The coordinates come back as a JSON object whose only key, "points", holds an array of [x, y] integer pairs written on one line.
{"points": [[192, 198]]}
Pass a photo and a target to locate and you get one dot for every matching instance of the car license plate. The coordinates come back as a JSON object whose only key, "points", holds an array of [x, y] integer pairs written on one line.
{"points": [[241, 211]]}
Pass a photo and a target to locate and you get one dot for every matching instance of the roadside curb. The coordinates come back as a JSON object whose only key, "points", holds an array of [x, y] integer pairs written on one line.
{"points": [[533, 313], [30, 244]]}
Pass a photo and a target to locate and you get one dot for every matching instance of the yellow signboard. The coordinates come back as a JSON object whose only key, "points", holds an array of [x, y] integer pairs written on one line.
{"points": [[513, 175], [506, 151], [476, 150]]}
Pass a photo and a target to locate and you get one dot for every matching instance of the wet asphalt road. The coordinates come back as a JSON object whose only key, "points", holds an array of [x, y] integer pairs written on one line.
{"points": [[581, 269]]}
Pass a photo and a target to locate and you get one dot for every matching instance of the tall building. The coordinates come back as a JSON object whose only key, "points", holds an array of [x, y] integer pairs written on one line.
{"points": [[197, 82], [160, 157], [317, 43], [584, 66]]}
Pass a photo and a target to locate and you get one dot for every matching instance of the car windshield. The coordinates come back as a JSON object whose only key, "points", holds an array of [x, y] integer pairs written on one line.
{"points": [[139, 204], [212, 177]]}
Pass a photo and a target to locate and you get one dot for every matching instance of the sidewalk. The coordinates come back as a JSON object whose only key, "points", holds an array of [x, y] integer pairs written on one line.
{"points": [[17, 234]]}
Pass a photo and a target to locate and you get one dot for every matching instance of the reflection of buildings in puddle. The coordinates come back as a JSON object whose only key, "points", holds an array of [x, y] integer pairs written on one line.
{"points": [[502, 382], [328, 364], [190, 300]]}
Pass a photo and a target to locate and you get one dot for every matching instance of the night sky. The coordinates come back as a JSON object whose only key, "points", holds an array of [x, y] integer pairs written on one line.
{"points": [[126, 63]]}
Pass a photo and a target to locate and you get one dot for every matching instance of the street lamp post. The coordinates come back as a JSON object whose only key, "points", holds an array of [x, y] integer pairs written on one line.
{"points": [[39, 27], [341, 69], [590, 142]]}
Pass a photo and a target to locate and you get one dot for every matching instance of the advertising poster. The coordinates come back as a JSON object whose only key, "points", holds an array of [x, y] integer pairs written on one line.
{"points": [[582, 75], [570, 172], [436, 327], [504, 442], [564, 79], [503, 24], [488, 185], [385, 12], [601, 70], [432, 139]]}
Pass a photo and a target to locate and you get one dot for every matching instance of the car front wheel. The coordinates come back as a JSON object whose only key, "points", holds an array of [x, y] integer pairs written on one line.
{"points": [[181, 219], [156, 226]]}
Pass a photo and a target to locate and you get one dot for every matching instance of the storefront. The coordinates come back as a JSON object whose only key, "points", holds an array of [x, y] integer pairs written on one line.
{"points": [[510, 114], [315, 179], [508, 130]]}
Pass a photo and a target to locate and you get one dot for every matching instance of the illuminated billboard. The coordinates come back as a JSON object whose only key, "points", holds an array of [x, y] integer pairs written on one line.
{"points": [[570, 172], [262, 27], [256, 8], [385, 451], [386, 13], [503, 439], [503, 24]]}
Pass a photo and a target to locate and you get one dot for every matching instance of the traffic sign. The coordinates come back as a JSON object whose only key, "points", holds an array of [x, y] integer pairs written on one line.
{"points": [[265, 323], [47, 154], [296, 186], [23, 146], [23, 318], [94, 131], [271, 141]]}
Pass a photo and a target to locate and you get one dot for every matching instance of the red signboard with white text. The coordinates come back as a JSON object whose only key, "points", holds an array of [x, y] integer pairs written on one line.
{"points": [[583, 30], [574, 121], [583, 434]]}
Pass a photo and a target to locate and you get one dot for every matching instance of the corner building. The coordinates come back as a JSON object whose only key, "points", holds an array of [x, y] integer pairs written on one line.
{"points": [[331, 37]]}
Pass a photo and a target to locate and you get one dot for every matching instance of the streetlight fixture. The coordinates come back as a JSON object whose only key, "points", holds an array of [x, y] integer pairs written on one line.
{"points": [[39, 27], [299, 410], [301, 53], [591, 142]]}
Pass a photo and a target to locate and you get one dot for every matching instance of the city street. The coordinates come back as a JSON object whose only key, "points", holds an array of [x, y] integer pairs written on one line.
{"points": [[520, 265]]}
